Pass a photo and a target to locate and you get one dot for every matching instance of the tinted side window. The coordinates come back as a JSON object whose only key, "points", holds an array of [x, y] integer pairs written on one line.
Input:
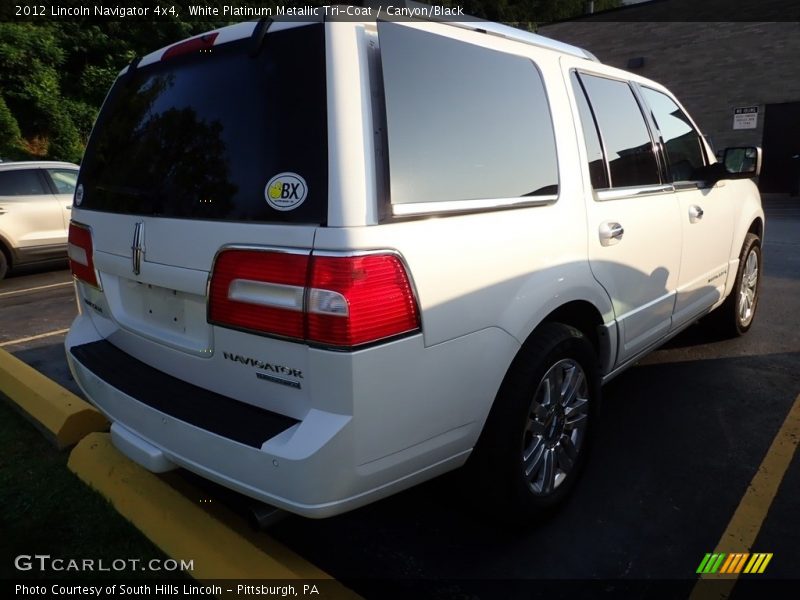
{"points": [[681, 140], [64, 180], [594, 149], [463, 122], [629, 148], [21, 182]]}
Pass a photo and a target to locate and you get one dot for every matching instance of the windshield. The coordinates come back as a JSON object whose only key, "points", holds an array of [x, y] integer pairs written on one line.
{"points": [[217, 135]]}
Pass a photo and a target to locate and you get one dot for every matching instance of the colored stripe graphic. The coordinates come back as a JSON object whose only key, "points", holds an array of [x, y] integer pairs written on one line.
{"points": [[718, 563], [711, 563], [732, 558], [734, 563], [765, 563], [741, 563], [758, 563], [701, 568]]}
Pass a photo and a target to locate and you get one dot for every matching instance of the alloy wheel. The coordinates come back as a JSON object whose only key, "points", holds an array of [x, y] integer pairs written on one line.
{"points": [[556, 426]]}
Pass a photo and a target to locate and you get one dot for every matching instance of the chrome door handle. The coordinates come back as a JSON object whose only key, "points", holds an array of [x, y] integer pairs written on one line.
{"points": [[695, 213], [611, 233]]}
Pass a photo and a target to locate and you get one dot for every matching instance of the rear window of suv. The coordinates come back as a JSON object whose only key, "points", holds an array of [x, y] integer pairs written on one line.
{"points": [[217, 135]]}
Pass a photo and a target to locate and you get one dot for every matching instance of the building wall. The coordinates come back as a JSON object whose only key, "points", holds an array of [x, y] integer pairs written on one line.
{"points": [[712, 67]]}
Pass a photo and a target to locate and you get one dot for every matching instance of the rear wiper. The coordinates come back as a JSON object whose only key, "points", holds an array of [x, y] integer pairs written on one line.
{"points": [[257, 37]]}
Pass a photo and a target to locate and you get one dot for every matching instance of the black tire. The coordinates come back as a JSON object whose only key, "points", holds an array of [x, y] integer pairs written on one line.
{"points": [[519, 425], [3, 264], [732, 318]]}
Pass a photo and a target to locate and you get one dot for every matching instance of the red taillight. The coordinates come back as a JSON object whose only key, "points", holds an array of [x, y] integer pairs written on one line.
{"points": [[261, 291], [81, 254], [377, 295], [341, 301]]}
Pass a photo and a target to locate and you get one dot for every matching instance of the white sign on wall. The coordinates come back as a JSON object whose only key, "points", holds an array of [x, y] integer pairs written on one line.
{"points": [[745, 117]]}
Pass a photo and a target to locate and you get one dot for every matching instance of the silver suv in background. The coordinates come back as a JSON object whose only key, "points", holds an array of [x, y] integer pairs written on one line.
{"points": [[35, 205]]}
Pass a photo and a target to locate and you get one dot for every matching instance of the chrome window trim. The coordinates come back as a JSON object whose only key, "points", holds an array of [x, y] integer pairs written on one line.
{"points": [[633, 192], [461, 206], [682, 186]]}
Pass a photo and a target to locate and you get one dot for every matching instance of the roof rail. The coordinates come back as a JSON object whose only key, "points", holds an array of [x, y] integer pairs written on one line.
{"points": [[526, 37], [500, 30]]}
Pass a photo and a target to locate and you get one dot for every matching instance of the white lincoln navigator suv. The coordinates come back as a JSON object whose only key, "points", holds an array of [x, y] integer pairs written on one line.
{"points": [[319, 263]]}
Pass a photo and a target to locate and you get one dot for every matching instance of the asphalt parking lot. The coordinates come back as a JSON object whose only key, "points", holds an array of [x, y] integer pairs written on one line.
{"points": [[680, 440]]}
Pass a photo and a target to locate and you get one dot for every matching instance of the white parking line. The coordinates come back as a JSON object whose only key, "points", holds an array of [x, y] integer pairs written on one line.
{"points": [[33, 337], [34, 289]]}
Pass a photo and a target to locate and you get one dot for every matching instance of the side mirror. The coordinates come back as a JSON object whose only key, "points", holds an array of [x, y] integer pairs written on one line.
{"points": [[742, 162]]}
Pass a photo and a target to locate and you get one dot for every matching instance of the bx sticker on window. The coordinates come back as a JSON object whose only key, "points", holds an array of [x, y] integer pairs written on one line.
{"points": [[286, 191]]}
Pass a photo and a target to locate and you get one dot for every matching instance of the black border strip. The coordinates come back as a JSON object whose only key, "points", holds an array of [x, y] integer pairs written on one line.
{"points": [[229, 418]]}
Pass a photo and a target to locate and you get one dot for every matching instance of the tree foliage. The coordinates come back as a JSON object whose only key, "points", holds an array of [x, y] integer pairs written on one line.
{"points": [[54, 75], [10, 135]]}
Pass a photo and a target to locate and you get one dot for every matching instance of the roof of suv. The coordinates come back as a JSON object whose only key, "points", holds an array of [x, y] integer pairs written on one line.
{"points": [[246, 29], [28, 164]]}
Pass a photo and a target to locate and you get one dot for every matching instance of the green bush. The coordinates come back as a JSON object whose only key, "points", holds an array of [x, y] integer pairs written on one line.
{"points": [[10, 136]]}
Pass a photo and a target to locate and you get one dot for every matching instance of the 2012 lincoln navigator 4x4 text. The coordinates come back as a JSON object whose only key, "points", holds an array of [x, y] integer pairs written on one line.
{"points": [[319, 263]]}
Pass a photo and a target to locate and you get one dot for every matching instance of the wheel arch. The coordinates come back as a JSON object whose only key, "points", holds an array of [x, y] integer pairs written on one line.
{"points": [[593, 321], [757, 227], [748, 222], [584, 316]]}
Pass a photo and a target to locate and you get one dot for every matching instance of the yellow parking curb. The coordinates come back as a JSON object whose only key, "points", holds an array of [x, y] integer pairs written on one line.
{"points": [[177, 523], [64, 418]]}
